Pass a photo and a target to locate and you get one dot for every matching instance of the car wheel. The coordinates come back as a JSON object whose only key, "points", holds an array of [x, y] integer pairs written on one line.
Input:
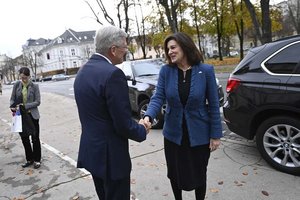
{"points": [[157, 122], [278, 141]]}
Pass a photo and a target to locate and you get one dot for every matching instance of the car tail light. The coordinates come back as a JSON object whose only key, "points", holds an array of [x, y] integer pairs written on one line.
{"points": [[232, 84]]}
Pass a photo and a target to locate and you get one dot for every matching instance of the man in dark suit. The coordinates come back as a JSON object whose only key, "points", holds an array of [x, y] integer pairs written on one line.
{"points": [[101, 95]]}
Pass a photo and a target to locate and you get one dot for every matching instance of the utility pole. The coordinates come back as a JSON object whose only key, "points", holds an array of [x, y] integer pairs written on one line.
{"points": [[34, 66]]}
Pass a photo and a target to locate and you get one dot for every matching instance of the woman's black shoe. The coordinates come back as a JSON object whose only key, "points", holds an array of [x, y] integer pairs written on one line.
{"points": [[36, 165], [28, 163]]}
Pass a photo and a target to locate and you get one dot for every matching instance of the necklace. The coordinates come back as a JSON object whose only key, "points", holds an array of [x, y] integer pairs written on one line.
{"points": [[184, 70]]}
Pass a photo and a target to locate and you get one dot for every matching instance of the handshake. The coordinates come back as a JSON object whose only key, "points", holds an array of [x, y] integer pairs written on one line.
{"points": [[146, 123]]}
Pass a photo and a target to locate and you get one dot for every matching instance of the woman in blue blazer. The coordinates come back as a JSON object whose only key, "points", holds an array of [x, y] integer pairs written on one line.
{"points": [[192, 126]]}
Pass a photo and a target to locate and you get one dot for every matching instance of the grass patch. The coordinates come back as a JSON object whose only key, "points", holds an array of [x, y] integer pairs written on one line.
{"points": [[227, 65]]}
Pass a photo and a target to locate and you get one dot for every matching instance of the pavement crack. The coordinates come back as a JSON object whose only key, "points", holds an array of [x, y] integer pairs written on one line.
{"points": [[5, 197], [234, 160], [148, 153], [43, 190]]}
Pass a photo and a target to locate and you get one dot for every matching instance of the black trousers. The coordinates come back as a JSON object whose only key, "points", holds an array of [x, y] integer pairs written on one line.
{"points": [[33, 153], [112, 189]]}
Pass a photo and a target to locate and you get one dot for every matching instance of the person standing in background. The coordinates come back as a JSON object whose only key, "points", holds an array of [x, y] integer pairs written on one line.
{"points": [[192, 126], [102, 99], [26, 96]]}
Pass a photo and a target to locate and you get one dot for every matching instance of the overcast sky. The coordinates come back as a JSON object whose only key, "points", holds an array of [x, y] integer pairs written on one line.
{"points": [[24, 19]]}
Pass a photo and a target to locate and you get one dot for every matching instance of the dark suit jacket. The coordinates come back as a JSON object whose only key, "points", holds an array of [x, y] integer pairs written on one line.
{"points": [[101, 94]]}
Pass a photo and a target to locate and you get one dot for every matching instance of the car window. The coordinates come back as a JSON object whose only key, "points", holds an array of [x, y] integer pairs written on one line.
{"points": [[285, 61], [127, 69], [146, 69]]}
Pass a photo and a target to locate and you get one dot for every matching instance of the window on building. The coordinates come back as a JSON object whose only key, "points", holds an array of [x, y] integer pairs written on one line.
{"points": [[61, 52], [59, 40], [73, 52], [48, 56], [74, 64]]}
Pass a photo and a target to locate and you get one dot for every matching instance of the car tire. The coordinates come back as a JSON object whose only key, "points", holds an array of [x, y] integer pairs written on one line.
{"points": [[157, 122], [278, 145]]}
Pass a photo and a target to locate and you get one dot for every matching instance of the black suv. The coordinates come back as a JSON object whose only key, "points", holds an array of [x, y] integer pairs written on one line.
{"points": [[142, 76], [263, 102]]}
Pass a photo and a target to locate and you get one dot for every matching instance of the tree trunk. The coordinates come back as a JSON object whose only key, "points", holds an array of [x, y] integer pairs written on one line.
{"points": [[239, 27], [219, 28], [255, 21], [171, 13], [266, 21]]}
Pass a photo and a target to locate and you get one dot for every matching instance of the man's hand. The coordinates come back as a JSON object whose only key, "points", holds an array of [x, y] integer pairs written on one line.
{"points": [[146, 124]]}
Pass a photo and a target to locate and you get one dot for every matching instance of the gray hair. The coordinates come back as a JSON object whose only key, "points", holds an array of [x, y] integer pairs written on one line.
{"points": [[108, 36]]}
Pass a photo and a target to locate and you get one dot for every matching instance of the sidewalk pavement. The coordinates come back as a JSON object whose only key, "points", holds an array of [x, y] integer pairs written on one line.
{"points": [[235, 172]]}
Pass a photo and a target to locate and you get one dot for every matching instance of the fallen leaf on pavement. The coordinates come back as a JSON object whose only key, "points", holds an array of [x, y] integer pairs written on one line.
{"points": [[29, 172], [245, 173], [220, 182], [18, 198], [39, 190], [265, 193], [140, 164], [75, 198], [132, 181], [238, 183], [214, 190]]}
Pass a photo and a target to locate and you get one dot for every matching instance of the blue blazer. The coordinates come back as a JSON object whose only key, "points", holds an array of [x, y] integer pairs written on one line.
{"points": [[101, 94], [203, 122]]}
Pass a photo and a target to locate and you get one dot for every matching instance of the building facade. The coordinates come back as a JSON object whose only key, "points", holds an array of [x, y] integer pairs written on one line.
{"points": [[62, 54]]}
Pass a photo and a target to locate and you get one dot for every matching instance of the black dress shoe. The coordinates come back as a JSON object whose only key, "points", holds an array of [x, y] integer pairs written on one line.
{"points": [[28, 163]]}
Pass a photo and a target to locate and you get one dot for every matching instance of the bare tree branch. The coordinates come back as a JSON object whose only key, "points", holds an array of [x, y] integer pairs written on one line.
{"points": [[97, 19], [106, 16]]}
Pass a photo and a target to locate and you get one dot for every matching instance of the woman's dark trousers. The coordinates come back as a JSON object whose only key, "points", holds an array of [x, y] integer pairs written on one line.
{"points": [[33, 153]]}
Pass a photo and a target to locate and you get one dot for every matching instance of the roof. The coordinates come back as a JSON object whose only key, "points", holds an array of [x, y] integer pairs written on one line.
{"points": [[40, 41], [71, 36]]}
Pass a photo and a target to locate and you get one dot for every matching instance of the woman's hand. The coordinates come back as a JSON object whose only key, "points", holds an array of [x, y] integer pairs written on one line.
{"points": [[214, 144]]}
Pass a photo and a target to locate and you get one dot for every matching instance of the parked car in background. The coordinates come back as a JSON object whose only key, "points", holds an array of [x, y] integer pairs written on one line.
{"points": [[46, 78], [233, 53], [60, 77], [263, 102], [142, 76]]}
